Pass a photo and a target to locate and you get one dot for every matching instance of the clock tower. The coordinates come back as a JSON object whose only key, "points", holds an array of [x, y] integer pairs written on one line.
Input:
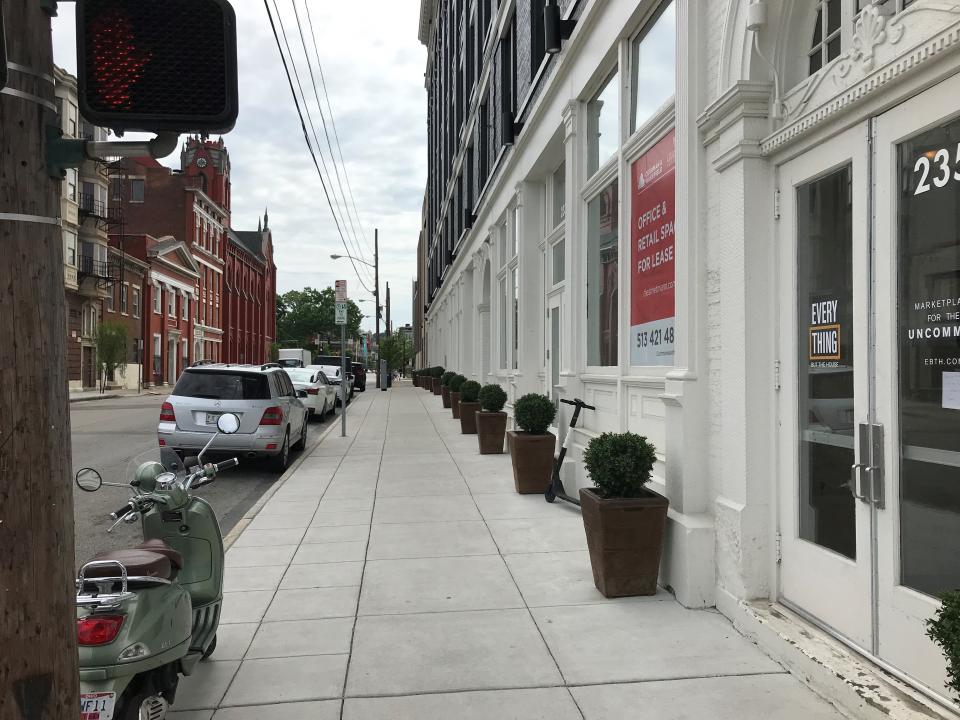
{"points": [[209, 162]]}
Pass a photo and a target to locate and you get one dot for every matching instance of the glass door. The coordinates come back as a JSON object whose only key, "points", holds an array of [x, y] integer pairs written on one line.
{"points": [[824, 256], [917, 497], [554, 345]]}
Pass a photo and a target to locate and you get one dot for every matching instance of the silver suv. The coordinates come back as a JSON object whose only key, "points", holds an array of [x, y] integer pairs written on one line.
{"points": [[273, 420]]}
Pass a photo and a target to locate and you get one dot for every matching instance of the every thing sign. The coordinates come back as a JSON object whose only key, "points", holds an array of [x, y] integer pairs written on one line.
{"points": [[824, 331]]}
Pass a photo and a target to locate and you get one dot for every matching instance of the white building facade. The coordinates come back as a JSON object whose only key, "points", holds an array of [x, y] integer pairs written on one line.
{"points": [[733, 230]]}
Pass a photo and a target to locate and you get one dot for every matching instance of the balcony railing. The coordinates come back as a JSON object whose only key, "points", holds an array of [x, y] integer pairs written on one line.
{"points": [[100, 269], [98, 209]]}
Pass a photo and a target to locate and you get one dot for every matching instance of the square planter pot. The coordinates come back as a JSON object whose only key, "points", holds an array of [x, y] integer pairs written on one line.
{"points": [[625, 539], [468, 417], [532, 458], [445, 395], [455, 405], [491, 429], [437, 386]]}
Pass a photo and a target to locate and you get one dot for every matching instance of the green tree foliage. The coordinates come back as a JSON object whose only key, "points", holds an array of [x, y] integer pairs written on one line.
{"points": [[111, 342], [303, 314], [944, 630], [397, 350]]}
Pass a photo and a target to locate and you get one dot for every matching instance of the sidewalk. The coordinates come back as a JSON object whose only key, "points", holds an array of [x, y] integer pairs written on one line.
{"points": [[85, 395], [396, 574]]}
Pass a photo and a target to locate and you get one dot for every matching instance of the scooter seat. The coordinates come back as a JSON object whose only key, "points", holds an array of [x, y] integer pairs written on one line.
{"points": [[161, 548], [138, 562]]}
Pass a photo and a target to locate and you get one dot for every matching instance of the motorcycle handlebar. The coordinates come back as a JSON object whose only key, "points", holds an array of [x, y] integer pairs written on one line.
{"points": [[117, 514], [227, 464]]}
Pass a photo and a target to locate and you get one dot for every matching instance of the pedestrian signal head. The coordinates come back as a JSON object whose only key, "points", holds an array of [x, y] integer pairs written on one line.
{"points": [[158, 65]]}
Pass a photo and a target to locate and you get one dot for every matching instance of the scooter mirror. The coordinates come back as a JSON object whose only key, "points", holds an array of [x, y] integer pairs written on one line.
{"points": [[88, 480], [228, 423]]}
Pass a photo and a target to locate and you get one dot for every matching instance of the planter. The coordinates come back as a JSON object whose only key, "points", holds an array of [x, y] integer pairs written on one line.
{"points": [[532, 458], [468, 417], [455, 404], [416, 381], [445, 395], [625, 539], [491, 429], [437, 386]]}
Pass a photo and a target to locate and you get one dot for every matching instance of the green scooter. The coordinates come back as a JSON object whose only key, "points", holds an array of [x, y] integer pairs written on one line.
{"points": [[148, 614]]}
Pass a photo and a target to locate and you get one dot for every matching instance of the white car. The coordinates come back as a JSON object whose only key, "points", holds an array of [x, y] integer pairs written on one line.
{"points": [[333, 374], [321, 393]]}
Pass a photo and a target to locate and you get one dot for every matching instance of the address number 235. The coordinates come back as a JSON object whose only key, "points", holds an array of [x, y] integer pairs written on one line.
{"points": [[938, 164]]}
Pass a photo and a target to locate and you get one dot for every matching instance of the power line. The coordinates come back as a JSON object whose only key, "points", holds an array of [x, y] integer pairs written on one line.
{"points": [[336, 135], [306, 106], [306, 137], [323, 119]]}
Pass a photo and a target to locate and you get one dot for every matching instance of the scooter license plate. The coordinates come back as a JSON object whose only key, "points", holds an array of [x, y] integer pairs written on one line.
{"points": [[97, 706]]}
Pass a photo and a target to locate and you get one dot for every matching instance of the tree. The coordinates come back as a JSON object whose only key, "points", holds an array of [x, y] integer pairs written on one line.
{"points": [[310, 312], [396, 350], [111, 342]]}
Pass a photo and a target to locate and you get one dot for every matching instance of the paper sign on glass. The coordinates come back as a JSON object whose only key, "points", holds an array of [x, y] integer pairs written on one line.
{"points": [[951, 390]]}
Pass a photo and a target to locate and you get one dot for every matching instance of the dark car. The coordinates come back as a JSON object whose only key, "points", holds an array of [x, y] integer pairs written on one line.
{"points": [[359, 377]]}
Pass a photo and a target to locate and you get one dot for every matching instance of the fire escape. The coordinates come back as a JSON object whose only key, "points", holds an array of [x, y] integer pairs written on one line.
{"points": [[103, 273]]}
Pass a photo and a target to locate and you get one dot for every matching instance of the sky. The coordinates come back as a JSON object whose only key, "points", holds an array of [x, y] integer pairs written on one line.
{"points": [[373, 65]]}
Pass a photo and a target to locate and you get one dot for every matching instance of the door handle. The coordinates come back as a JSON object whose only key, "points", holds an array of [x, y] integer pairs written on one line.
{"points": [[854, 483]]}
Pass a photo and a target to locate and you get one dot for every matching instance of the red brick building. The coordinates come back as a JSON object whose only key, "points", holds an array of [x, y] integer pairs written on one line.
{"points": [[250, 308], [230, 321]]}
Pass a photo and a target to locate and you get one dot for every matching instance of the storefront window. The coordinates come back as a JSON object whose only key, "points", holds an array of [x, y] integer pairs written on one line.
{"points": [[826, 370], [929, 347], [503, 322], [602, 278], [514, 282], [558, 253], [602, 126], [654, 54]]}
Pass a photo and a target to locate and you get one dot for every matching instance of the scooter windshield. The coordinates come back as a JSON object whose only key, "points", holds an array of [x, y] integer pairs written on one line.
{"points": [[155, 454]]}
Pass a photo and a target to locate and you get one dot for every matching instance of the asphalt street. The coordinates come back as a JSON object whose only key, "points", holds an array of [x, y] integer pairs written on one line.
{"points": [[114, 436]]}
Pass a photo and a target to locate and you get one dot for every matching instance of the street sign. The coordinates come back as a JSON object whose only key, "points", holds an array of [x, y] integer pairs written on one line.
{"points": [[341, 318], [341, 291]]}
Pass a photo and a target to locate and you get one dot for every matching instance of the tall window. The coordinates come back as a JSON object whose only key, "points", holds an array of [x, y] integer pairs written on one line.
{"points": [[559, 207], [515, 320], [654, 53], [171, 303], [136, 302], [602, 278], [826, 35], [503, 322], [185, 307], [157, 300], [109, 300], [71, 181], [123, 298], [70, 248], [136, 190], [602, 126]]}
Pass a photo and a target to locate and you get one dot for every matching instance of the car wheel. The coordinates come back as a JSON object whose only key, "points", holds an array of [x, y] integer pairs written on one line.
{"points": [[302, 442], [323, 413], [281, 460]]}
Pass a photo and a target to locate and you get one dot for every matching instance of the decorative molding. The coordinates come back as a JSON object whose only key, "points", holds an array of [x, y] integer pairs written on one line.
{"points": [[741, 150], [744, 99], [855, 71], [570, 113]]}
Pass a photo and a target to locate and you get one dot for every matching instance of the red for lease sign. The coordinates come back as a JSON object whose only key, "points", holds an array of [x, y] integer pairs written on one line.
{"points": [[652, 202]]}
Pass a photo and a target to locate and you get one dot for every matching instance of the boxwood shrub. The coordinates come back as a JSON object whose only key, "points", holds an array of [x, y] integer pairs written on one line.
{"points": [[534, 413], [447, 377], [944, 630], [456, 383], [469, 391], [492, 398], [620, 464]]}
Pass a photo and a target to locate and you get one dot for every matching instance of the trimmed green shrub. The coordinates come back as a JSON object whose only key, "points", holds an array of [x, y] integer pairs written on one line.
{"points": [[620, 464], [492, 398], [944, 630], [457, 383], [438, 371], [469, 391], [534, 413], [447, 377]]}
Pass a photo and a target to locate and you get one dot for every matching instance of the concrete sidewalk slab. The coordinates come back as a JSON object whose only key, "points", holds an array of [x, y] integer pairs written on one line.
{"points": [[396, 574]]}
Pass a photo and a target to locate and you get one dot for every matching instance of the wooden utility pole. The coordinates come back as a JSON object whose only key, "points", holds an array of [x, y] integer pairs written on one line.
{"points": [[38, 654], [376, 294], [389, 325]]}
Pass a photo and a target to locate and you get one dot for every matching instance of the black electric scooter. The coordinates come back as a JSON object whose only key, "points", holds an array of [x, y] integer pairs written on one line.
{"points": [[555, 489]]}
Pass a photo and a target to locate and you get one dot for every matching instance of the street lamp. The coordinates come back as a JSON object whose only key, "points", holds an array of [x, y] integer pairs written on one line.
{"points": [[376, 280]]}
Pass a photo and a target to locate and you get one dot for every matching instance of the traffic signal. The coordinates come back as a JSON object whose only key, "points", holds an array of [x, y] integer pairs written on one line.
{"points": [[158, 65]]}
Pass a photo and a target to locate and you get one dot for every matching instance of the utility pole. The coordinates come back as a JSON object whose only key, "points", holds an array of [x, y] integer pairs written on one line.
{"points": [[389, 327], [376, 294], [38, 665]]}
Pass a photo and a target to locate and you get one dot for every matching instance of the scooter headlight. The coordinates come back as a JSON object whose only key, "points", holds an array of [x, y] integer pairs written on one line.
{"points": [[137, 651]]}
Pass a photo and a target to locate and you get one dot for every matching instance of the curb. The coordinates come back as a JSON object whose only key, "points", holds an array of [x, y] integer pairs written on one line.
{"points": [[97, 397], [242, 523]]}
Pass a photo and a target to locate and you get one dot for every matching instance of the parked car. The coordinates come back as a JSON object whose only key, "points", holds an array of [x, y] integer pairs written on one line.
{"points": [[359, 377], [333, 375], [273, 418], [321, 393]]}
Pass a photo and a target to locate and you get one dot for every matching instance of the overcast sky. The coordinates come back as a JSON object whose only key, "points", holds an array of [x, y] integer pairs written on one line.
{"points": [[373, 65]]}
